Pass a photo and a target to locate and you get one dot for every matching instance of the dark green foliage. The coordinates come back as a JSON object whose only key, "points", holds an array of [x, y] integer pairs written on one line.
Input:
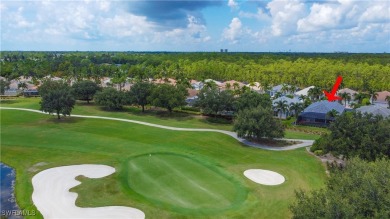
{"points": [[299, 69], [85, 90], [57, 97], [110, 98], [355, 134], [297, 108], [212, 101], [257, 123], [4, 85], [360, 190], [168, 96], [139, 93], [47, 86], [251, 99]]}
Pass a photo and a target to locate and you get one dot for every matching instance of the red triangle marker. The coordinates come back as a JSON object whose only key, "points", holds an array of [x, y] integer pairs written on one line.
{"points": [[332, 95]]}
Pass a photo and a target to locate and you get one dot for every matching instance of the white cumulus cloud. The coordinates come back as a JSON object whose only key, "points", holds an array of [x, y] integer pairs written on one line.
{"points": [[234, 31]]}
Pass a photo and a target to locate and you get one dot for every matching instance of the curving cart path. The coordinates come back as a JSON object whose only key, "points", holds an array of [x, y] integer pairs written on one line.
{"points": [[304, 143]]}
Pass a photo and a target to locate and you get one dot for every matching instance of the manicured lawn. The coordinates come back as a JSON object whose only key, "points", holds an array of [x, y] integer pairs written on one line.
{"points": [[217, 161], [182, 120]]}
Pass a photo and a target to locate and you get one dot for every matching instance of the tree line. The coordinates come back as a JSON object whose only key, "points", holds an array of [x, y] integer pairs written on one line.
{"points": [[59, 97], [299, 69]]}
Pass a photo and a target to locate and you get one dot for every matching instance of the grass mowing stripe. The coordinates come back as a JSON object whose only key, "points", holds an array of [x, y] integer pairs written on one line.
{"points": [[188, 181], [194, 181]]}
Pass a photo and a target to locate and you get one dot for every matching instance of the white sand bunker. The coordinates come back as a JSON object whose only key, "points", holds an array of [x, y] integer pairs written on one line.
{"points": [[52, 198], [265, 177]]}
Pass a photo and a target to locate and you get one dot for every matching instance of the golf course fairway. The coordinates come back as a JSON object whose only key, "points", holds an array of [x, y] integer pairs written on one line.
{"points": [[196, 174]]}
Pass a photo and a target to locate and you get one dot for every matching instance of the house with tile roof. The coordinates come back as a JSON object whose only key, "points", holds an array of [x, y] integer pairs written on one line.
{"points": [[381, 98], [316, 113]]}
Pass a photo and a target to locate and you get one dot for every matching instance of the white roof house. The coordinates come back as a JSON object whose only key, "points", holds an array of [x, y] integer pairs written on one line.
{"points": [[347, 90], [303, 92], [216, 82]]}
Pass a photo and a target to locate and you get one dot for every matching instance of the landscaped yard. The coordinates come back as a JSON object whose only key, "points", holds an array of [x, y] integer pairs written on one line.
{"points": [[181, 171], [182, 120]]}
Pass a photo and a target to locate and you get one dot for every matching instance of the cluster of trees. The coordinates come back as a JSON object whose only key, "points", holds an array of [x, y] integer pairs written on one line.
{"points": [[355, 134], [253, 114], [301, 70], [214, 102], [144, 93], [58, 97], [359, 190]]}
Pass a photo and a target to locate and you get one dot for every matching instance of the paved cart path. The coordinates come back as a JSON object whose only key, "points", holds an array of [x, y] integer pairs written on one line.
{"points": [[303, 143]]}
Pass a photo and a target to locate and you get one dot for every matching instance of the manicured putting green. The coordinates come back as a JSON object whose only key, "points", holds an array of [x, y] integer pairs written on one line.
{"points": [[182, 182]]}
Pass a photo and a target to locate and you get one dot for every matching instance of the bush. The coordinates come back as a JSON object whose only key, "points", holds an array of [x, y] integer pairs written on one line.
{"points": [[318, 152]]}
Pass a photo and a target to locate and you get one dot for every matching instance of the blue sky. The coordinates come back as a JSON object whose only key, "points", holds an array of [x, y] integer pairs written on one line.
{"points": [[200, 25]]}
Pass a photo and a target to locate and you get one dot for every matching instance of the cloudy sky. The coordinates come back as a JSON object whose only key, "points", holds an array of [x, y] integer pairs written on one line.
{"points": [[197, 25]]}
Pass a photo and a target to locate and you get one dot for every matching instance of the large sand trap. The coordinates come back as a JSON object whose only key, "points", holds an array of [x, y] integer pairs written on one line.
{"points": [[265, 177], [52, 198]]}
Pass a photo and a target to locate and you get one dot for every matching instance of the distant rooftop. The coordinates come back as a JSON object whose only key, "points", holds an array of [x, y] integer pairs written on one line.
{"points": [[324, 107], [375, 109]]}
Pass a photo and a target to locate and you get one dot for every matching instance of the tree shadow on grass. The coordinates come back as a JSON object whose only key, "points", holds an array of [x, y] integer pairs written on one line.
{"points": [[65, 120], [9, 101]]}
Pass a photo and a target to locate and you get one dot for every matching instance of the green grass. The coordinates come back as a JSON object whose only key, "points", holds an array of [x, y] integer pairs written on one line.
{"points": [[182, 120], [183, 183], [29, 138]]}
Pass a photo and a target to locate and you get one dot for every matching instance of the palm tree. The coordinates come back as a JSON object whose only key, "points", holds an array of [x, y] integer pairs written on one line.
{"points": [[359, 97], [277, 95], [302, 97], [315, 93], [346, 97], [296, 108], [236, 86], [331, 114], [210, 84], [281, 106], [373, 96], [293, 88], [228, 86], [388, 101], [285, 89]]}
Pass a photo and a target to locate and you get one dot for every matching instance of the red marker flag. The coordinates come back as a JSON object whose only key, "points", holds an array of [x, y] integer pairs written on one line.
{"points": [[332, 95]]}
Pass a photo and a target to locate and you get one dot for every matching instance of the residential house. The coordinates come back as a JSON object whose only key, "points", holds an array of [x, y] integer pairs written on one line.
{"points": [[303, 92], [289, 101], [280, 89], [317, 113], [197, 85], [164, 80], [256, 86], [381, 98], [231, 85], [192, 96], [375, 110], [218, 83], [351, 93]]}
